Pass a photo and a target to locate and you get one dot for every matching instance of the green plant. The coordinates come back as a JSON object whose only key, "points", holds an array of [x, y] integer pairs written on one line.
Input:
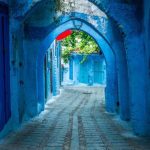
{"points": [[79, 42]]}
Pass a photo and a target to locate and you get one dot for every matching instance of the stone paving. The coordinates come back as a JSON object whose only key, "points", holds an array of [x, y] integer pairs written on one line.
{"points": [[75, 121]]}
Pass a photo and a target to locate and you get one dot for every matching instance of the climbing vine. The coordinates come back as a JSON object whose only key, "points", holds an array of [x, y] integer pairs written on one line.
{"points": [[78, 42]]}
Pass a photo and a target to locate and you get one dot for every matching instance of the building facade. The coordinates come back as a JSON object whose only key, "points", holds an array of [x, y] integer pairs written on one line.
{"points": [[90, 71]]}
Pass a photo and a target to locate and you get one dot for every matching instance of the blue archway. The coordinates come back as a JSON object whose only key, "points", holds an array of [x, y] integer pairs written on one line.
{"points": [[123, 98], [114, 40]]}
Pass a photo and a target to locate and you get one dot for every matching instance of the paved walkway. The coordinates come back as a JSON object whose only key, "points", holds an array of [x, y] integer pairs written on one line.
{"points": [[75, 121]]}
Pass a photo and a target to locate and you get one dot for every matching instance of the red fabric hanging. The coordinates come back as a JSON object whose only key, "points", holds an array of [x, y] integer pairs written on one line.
{"points": [[64, 35]]}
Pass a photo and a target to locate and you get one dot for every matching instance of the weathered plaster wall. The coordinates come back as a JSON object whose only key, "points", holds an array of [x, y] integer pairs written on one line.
{"points": [[136, 51], [146, 27], [129, 16], [116, 40]]}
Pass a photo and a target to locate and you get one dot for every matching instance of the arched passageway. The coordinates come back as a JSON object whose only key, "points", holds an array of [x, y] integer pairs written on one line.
{"points": [[109, 56], [118, 30], [122, 71], [117, 49]]}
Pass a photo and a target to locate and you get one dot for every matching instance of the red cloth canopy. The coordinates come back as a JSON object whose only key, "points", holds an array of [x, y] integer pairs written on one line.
{"points": [[64, 35]]}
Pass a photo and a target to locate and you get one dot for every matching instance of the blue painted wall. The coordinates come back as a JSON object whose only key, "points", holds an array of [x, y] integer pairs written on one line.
{"points": [[51, 71], [56, 67], [91, 71], [146, 24], [5, 110], [126, 37], [47, 76]]}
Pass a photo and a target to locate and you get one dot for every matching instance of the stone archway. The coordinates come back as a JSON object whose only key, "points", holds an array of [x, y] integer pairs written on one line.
{"points": [[115, 41], [109, 56]]}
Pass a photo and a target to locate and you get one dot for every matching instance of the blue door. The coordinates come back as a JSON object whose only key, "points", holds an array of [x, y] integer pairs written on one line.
{"points": [[71, 69], [4, 71], [98, 72], [83, 72]]}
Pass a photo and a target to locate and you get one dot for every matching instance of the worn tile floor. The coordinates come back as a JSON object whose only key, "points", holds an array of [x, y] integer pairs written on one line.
{"points": [[75, 121]]}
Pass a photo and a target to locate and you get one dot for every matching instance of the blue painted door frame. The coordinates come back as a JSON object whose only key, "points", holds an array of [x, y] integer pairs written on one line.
{"points": [[98, 72], [4, 68], [45, 77], [71, 69]]}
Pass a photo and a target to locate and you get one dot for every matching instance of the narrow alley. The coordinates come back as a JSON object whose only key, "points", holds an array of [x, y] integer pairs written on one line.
{"points": [[76, 120], [75, 74]]}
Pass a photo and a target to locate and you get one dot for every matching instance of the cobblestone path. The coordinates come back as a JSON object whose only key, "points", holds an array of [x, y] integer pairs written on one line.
{"points": [[75, 121]]}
